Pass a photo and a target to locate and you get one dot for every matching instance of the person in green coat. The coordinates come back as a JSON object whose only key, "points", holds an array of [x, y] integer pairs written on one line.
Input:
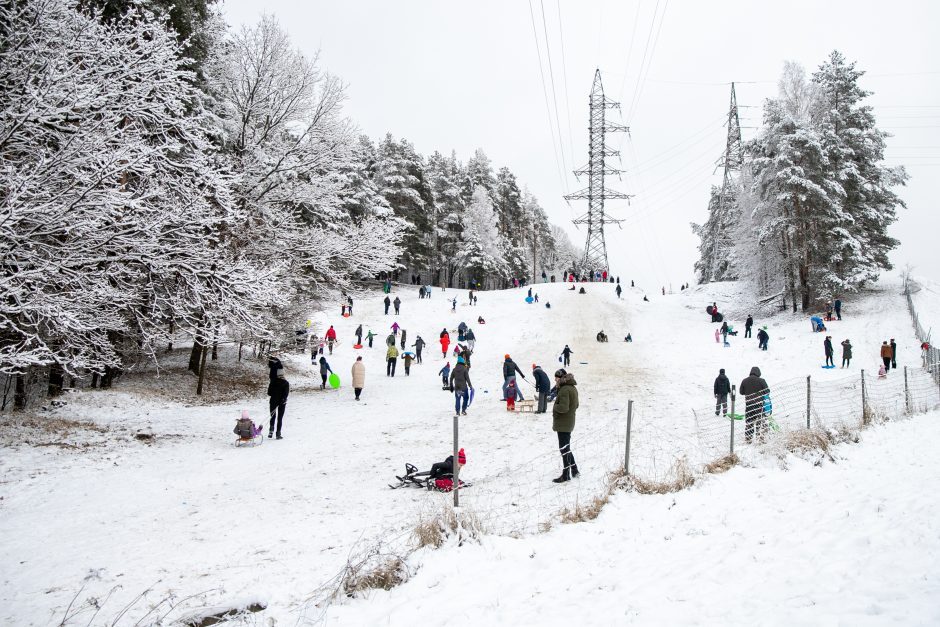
{"points": [[563, 417]]}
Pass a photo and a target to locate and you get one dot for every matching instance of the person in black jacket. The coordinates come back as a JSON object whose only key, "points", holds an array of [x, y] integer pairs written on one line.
{"points": [[722, 389], [278, 390], [747, 325], [894, 354], [509, 374], [827, 346], [566, 354], [753, 389], [542, 387], [388, 303]]}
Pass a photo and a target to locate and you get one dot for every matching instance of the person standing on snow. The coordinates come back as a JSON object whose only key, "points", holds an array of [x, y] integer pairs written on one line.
{"points": [[445, 374], [403, 335], [358, 376], [369, 337], [762, 339], [418, 346], [278, 390], [324, 369], [358, 335], [566, 354], [724, 332], [563, 418], [838, 309], [471, 339], [460, 385], [395, 327], [722, 390], [509, 374], [747, 325], [407, 357], [445, 342], [827, 347], [753, 389], [618, 290], [542, 388], [894, 354], [886, 355], [331, 338], [846, 353], [397, 303], [391, 357], [388, 303], [453, 305]]}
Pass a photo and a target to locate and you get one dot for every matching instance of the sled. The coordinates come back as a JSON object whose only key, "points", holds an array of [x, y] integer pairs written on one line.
{"points": [[525, 406], [708, 310], [529, 299], [470, 398], [735, 416], [346, 315], [357, 346], [334, 380], [828, 367]]}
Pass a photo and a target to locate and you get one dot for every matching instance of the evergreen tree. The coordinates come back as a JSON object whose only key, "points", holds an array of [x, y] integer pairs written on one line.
{"points": [[402, 182], [716, 246]]}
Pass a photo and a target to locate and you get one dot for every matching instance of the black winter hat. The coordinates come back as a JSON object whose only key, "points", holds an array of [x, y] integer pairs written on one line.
{"points": [[560, 372], [721, 371]]}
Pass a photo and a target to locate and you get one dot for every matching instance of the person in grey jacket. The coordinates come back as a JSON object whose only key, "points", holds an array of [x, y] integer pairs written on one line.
{"points": [[460, 385]]}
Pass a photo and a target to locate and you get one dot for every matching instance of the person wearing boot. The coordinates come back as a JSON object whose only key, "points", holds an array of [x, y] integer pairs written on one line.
{"points": [[278, 390], [563, 417]]}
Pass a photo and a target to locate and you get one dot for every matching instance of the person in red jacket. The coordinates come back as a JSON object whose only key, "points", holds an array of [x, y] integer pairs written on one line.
{"points": [[331, 338], [445, 342]]}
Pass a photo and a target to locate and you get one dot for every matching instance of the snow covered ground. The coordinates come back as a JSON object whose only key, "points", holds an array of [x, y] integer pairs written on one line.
{"points": [[104, 514]]}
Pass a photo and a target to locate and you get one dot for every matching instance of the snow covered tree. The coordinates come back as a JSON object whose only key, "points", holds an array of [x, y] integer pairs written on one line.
{"points": [[480, 255], [716, 246], [358, 191], [445, 175], [859, 243], [111, 197], [478, 173]]}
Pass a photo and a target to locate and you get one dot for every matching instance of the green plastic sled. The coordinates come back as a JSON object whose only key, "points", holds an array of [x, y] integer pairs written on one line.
{"points": [[334, 380]]}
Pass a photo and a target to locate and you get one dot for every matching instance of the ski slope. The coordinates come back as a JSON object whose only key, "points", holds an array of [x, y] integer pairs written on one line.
{"points": [[191, 514]]}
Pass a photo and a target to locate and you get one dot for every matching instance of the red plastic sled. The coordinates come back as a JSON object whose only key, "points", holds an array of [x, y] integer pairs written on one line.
{"points": [[346, 315], [357, 345]]}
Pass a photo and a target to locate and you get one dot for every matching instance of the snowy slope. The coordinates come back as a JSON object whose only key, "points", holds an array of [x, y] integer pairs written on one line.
{"points": [[191, 513]]}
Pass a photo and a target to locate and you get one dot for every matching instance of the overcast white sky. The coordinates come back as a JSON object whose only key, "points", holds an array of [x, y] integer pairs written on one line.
{"points": [[465, 75]]}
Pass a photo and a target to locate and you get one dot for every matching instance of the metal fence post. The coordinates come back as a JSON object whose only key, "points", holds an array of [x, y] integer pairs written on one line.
{"points": [[864, 400], [907, 393], [626, 452], [809, 404], [456, 466], [731, 448]]}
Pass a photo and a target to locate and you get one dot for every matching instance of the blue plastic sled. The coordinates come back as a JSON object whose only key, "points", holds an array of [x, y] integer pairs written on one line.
{"points": [[828, 367], [470, 399], [529, 299]]}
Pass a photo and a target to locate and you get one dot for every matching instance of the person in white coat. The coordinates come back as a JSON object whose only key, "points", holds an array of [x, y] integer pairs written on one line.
{"points": [[358, 376]]}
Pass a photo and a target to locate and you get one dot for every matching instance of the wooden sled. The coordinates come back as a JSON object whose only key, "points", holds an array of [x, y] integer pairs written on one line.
{"points": [[525, 406]]}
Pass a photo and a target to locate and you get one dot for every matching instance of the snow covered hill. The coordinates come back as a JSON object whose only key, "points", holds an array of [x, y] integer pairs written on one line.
{"points": [[191, 514]]}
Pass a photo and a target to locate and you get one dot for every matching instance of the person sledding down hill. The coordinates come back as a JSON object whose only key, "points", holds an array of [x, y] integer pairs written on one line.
{"points": [[440, 477], [601, 336]]}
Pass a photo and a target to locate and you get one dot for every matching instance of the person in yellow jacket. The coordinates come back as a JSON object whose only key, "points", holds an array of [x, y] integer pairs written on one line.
{"points": [[391, 355]]}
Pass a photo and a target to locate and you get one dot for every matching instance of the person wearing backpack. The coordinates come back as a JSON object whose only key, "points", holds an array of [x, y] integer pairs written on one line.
{"points": [[278, 390]]}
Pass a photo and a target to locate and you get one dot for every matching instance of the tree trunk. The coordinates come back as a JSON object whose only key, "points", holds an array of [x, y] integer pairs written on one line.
{"points": [[215, 350], [94, 379], [202, 369], [21, 390], [56, 379], [107, 379], [240, 345], [169, 346]]}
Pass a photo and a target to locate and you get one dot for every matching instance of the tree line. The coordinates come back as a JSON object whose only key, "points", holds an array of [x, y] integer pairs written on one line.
{"points": [[165, 174], [808, 216]]}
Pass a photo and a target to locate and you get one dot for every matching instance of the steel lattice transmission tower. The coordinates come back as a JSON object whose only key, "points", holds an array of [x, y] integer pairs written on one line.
{"points": [[731, 161], [595, 249]]}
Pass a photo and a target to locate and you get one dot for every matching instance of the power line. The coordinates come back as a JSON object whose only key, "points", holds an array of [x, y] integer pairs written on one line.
{"points": [[551, 75], [646, 48], [649, 64], [626, 68], [548, 108], [564, 69]]}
